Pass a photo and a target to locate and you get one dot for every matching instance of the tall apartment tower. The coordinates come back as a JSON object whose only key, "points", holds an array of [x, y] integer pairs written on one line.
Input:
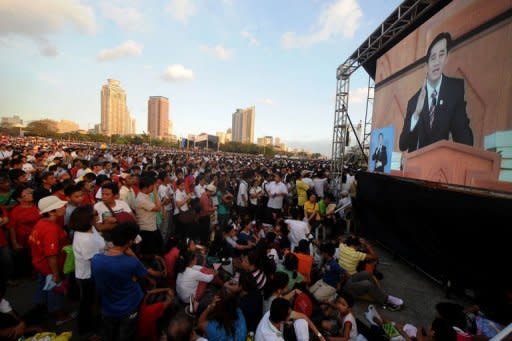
{"points": [[158, 116], [243, 125], [115, 118]]}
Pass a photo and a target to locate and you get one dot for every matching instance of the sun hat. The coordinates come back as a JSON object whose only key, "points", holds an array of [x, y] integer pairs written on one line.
{"points": [[50, 203]]}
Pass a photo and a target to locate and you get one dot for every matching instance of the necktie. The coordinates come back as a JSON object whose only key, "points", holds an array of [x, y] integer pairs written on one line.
{"points": [[432, 107]]}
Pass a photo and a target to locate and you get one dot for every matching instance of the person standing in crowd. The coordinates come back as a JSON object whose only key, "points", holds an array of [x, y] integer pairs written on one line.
{"points": [[108, 207], [320, 182], [21, 221], [207, 210], [302, 190], [75, 198], [242, 198], [46, 242], [115, 275], [87, 242], [181, 199], [126, 193], [277, 191], [146, 211], [166, 195], [255, 195], [47, 181], [200, 188]]}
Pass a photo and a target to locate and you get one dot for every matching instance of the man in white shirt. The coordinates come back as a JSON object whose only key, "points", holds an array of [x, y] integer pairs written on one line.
{"points": [[320, 185], [242, 197], [277, 191], [271, 324], [146, 211], [166, 195], [106, 220], [298, 230]]}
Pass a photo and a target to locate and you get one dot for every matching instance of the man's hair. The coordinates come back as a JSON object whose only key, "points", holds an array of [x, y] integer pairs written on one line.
{"points": [[82, 218], [68, 191], [145, 182], [112, 186], [124, 232], [438, 38], [279, 310], [328, 248], [183, 327]]}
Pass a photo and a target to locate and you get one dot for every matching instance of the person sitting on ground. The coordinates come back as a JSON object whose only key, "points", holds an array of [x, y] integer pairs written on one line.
{"points": [[342, 326], [153, 307], [272, 324], [222, 320], [290, 267], [251, 301], [349, 256], [325, 289], [305, 265], [278, 287], [189, 277]]}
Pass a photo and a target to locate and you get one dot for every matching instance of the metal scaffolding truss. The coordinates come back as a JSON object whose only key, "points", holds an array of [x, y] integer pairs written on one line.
{"points": [[404, 17], [367, 130]]}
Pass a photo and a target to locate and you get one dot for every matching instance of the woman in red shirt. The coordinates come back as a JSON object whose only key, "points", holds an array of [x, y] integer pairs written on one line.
{"points": [[46, 243], [22, 219]]}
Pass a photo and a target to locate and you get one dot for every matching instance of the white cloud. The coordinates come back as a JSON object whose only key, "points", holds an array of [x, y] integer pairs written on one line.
{"points": [[38, 19], [177, 72], [127, 49], [267, 101], [340, 18], [181, 10], [128, 18], [219, 51], [358, 95], [250, 37]]}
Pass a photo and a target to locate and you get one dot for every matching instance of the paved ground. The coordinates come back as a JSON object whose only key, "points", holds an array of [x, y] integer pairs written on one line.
{"points": [[418, 291]]}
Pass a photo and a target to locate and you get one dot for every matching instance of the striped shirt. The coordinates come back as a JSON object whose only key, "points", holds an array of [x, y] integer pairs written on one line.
{"points": [[260, 277], [349, 258]]}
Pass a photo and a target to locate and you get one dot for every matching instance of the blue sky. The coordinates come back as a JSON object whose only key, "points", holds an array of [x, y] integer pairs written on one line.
{"points": [[208, 57]]}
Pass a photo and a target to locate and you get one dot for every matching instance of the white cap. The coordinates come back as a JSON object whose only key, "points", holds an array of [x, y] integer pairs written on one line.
{"points": [[50, 203]]}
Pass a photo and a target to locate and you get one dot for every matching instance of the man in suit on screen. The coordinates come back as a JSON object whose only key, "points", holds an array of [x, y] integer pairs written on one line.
{"points": [[380, 155], [438, 109]]}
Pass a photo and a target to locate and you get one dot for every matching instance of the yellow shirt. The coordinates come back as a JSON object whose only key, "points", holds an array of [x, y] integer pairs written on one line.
{"points": [[309, 208], [349, 258], [302, 189]]}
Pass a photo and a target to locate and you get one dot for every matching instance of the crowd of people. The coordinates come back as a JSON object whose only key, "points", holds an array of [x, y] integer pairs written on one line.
{"points": [[161, 244]]}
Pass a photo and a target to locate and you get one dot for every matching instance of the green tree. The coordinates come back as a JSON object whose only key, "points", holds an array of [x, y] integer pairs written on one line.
{"points": [[45, 128]]}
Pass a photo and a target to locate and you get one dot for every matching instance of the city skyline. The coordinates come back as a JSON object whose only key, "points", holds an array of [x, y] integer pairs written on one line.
{"points": [[217, 56]]}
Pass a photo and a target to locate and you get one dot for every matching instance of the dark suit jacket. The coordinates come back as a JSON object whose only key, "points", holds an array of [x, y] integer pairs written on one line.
{"points": [[381, 156], [450, 117]]}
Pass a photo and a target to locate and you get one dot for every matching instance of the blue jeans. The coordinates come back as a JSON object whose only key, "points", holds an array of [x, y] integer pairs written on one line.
{"points": [[53, 300]]}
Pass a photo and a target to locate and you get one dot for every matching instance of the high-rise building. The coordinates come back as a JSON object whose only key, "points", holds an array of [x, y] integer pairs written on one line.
{"points": [[243, 125], [158, 116], [115, 118]]}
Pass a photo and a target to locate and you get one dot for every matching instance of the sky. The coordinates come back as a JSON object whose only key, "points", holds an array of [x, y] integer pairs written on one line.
{"points": [[209, 57]]}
